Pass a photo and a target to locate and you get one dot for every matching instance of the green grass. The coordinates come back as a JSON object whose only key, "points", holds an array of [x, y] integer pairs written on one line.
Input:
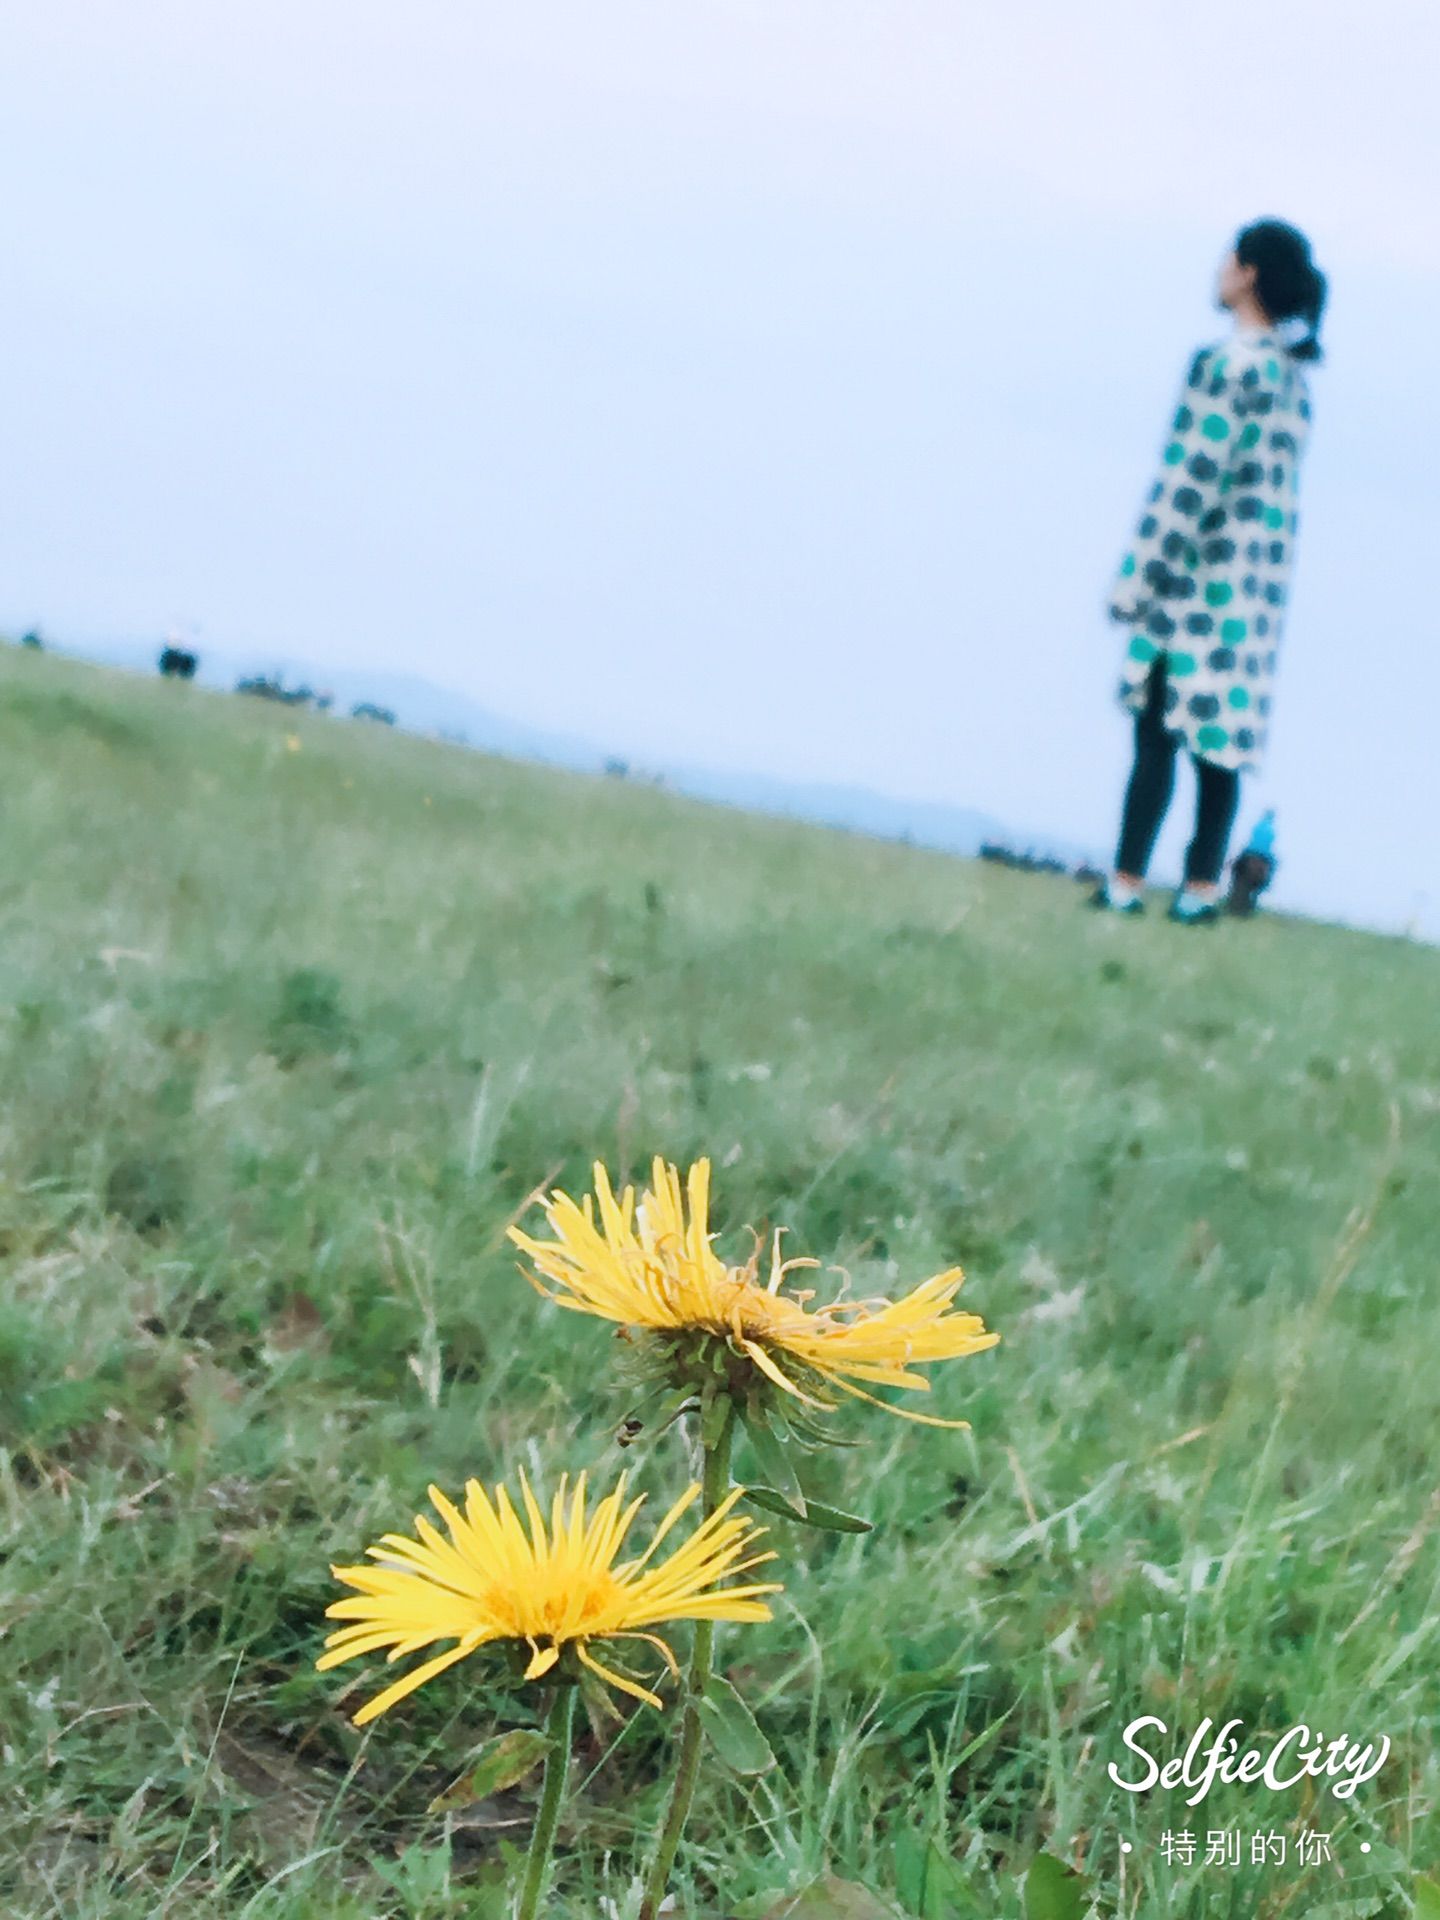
{"points": [[287, 1036]]}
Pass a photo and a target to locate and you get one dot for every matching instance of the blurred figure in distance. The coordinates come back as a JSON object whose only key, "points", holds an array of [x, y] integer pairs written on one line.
{"points": [[1203, 588]]}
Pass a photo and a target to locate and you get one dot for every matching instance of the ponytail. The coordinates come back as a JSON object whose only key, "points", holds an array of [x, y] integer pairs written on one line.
{"points": [[1288, 284], [1307, 347]]}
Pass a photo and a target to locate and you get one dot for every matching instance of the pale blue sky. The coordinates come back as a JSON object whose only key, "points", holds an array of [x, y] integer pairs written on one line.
{"points": [[767, 384]]}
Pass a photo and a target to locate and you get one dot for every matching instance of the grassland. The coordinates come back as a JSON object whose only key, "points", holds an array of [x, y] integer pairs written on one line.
{"points": [[293, 1016]]}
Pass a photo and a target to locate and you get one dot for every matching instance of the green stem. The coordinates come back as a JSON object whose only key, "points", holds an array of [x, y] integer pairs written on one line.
{"points": [[715, 1485], [557, 1765]]}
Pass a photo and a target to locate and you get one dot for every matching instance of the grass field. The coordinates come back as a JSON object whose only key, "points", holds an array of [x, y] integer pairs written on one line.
{"points": [[293, 1016]]}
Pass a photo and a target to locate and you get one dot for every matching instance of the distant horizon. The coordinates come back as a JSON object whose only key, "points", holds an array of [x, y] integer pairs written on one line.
{"points": [[756, 794], [129, 657]]}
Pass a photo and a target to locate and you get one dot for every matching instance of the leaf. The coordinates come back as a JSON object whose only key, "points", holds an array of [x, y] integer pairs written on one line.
{"points": [[715, 1412], [601, 1712], [1053, 1891], [1427, 1898], [756, 1412], [828, 1519], [982, 1739], [810, 1432], [420, 1875], [948, 1892], [500, 1763], [928, 1880], [777, 1466], [910, 1870], [733, 1730]]}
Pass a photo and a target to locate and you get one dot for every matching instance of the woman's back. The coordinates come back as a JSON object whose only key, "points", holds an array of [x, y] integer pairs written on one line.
{"points": [[1207, 577]]}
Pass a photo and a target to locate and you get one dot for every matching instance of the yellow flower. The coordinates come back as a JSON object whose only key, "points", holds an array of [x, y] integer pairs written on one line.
{"points": [[551, 1589], [647, 1266]]}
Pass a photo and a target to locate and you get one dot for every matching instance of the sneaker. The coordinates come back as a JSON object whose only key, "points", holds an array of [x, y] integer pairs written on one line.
{"points": [[1100, 899], [1192, 910]]}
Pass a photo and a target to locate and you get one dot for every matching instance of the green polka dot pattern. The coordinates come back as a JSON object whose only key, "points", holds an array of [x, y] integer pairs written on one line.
{"points": [[1206, 578]]}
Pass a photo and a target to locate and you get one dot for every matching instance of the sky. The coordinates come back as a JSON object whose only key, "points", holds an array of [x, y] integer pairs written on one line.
{"points": [[770, 385]]}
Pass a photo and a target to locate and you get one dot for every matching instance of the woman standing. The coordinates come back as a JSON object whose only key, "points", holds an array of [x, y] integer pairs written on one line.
{"points": [[1203, 588]]}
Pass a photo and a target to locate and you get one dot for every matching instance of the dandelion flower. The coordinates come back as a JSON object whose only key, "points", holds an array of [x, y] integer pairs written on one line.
{"points": [[649, 1266], [553, 1589]]}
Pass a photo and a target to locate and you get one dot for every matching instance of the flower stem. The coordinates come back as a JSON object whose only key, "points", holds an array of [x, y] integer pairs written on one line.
{"points": [[557, 1765], [715, 1484]]}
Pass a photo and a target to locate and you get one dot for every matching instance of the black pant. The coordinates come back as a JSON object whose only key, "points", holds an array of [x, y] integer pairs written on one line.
{"points": [[1152, 782]]}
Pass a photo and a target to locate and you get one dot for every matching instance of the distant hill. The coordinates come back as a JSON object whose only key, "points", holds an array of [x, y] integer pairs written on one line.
{"points": [[422, 707]]}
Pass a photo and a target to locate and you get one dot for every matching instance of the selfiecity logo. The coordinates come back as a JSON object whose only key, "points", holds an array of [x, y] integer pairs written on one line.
{"points": [[1342, 1764]]}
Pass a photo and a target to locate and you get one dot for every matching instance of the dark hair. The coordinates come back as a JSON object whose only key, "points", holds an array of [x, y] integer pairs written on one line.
{"points": [[1288, 284]]}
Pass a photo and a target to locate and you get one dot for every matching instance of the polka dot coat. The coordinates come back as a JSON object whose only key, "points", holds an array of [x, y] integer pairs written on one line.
{"points": [[1207, 575]]}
